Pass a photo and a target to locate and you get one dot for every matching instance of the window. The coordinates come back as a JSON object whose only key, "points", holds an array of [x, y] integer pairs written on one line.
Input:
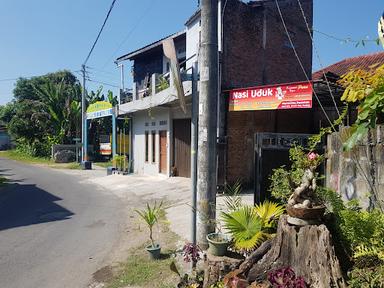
{"points": [[153, 146], [146, 145]]}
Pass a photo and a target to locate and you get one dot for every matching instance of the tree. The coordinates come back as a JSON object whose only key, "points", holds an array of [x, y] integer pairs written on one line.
{"points": [[7, 112], [46, 110], [367, 89]]}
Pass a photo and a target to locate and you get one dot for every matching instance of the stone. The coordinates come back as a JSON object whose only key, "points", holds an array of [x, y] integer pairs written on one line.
{"points": [[64, 156]]}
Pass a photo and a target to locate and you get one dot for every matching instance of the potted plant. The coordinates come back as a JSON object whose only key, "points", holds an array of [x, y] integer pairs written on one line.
{"points": [[218, 243], [150, 215]]}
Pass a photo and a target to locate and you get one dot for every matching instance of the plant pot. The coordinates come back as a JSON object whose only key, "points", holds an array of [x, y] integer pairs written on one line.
{"points": [[218, 244], [153, 251], [306, 213]]}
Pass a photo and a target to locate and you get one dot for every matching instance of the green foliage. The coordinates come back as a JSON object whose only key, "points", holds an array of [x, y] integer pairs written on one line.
{"points": [[162, 84], [118, 161], [7, 112], [367, 277], [151, 216], [284, 181], [364, 232], [367, 88], [44, 107], [232, 200], [269, 212], [250, 226], [360, 232]]}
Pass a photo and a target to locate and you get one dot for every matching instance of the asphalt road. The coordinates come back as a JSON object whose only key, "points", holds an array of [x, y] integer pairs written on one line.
{"points": [[55, 231]]}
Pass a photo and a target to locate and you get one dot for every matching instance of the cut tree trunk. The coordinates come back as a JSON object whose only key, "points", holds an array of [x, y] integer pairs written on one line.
{"points": [[308, 250]]}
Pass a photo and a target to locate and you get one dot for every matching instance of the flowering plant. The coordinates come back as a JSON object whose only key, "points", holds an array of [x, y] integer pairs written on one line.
{"points": [[286, 278], [284, 181], [191, 252]]}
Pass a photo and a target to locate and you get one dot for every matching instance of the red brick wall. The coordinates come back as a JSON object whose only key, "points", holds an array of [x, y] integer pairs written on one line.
{"points": [[243, 63]]}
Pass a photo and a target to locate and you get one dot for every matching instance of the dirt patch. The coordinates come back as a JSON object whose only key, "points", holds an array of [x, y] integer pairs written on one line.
{"points": [[104, 274]]}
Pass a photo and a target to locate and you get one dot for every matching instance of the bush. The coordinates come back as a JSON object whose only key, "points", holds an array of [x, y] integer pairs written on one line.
{"points": [[367, 278]]}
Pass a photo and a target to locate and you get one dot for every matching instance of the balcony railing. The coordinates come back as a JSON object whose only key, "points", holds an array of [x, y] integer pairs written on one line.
{"points": [[155, 84]]}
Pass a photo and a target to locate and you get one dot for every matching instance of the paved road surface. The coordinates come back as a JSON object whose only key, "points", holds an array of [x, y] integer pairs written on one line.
{"points": [[54, 230]]}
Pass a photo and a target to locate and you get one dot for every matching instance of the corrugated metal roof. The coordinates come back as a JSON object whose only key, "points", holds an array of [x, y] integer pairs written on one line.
{"points": [[364, 62], [133, 54]]}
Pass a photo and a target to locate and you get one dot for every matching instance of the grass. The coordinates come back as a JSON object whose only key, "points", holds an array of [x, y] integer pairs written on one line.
{"points": [[22, 157], [18, 156], [103, 164], [140, 271]]}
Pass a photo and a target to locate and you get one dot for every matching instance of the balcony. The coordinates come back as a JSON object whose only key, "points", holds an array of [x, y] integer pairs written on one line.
{"points": [[159, 90]]}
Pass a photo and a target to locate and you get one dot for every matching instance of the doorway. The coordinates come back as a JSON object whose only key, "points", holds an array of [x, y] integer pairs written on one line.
{"points": [[271, 152], [163, 151], [182, 147]]}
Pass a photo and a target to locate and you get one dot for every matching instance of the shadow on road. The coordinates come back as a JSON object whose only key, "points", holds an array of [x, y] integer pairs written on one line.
{"points": [[23, 205]]}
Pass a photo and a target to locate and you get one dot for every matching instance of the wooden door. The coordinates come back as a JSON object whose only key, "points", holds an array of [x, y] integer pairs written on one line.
{"points": [[182, 147], [163, 151]]}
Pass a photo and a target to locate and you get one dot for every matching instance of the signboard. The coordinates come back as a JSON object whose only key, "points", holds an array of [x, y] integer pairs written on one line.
{"points": [[170, 52], [285, 96], [99, 109], [99, 105], [105, 148]]}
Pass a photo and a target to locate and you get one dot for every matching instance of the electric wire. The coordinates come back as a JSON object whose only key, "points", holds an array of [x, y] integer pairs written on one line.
{"points": [[301, 64], [103, 83], [353, 157], [318, 57], [344, 40], [138, 22], [101, 30]]}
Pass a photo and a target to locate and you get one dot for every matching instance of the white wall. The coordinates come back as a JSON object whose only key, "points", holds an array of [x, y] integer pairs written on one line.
{"points": [[139, 127]]}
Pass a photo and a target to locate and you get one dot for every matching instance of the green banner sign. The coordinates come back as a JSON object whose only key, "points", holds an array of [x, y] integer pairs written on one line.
{"points": [[98, 106]]}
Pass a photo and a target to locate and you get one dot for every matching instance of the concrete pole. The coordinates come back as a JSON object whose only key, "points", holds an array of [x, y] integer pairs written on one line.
{"points": [[206, 160], [194, 137]]}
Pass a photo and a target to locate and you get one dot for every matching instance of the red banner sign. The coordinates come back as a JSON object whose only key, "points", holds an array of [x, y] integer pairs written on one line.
{"points": [[286, 96]]}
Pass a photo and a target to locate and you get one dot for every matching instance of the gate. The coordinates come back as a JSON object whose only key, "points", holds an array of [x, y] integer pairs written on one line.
{"points": [[271, 152]]}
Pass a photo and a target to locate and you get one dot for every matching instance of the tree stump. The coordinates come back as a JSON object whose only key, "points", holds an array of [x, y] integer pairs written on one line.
{"points": [[307, 249], [217, 266]]}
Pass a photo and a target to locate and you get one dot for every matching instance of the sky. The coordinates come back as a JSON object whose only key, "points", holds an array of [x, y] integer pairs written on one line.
{"points": [[42, 36]]}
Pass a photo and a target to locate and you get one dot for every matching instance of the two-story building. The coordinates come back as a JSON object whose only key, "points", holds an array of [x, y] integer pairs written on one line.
{"points": [[161, 135], [254, 51]]}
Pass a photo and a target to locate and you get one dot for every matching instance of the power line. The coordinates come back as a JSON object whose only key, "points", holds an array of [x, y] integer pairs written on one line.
{"points": [[101, 30], [102, 71], [103, 83], [344, 40], [142, 16], [300, 63], [318, 56]]}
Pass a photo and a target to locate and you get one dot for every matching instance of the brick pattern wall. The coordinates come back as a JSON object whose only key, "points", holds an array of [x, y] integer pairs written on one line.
{"points": [[245, 63]]}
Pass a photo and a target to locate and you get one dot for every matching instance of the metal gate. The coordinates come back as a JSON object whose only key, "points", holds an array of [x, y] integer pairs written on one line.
{"points": [[271, 152]]}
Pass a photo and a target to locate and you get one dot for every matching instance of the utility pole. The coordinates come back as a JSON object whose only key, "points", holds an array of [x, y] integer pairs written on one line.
{"points": [[194, 152], [83, 119], [207, 140]]}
